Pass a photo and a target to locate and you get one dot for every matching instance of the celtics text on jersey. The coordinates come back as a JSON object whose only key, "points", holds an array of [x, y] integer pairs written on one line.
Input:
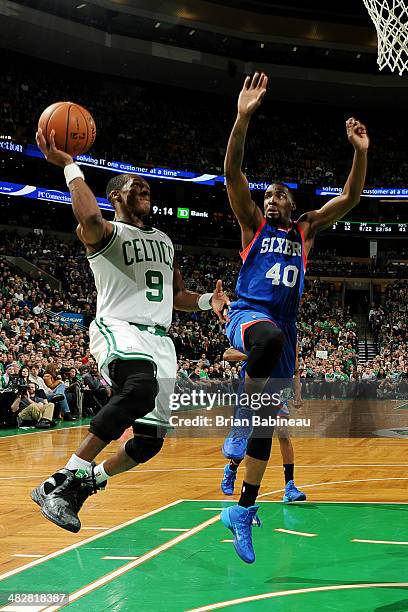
{"points": [[134, 276]]}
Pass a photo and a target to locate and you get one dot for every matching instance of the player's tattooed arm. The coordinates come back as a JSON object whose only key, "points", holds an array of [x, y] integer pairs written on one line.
{"points": [[93, 229], [247, 213], [187, 301], [318, 220]]}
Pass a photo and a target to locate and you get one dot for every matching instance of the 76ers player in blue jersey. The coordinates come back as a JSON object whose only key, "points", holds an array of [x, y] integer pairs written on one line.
{"points": [[262, 321]]}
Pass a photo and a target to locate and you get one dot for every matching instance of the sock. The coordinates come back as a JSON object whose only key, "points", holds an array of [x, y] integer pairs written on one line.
{"points": [[100, 474], [289, 469], [76, 463], [249, 494], [234, 465]]}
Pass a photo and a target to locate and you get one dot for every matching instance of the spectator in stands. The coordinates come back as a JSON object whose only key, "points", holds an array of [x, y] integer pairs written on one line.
{"points": [[23, 377], [100, 391], [340, 382], [194, 140], [386, 388], [28, 406], [329, 378], [37, 379], [368, 375], [72, 376], [381, 374], [10, 378], [195, 374], [57, 390], [204, 360], [73, 389]]}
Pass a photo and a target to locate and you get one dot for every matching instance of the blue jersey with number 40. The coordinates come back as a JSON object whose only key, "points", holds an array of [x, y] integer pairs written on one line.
{"points": [[272, 275]]}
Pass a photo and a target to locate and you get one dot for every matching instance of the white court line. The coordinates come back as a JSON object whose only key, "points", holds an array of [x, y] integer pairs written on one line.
{"points": [[28, 556], [299, 533], [278, 501], [333, 482], [337, 466], [364, 502], [172, 529], [212, 520], [42, 431], [340, 587], [379, 541], [125, 568], [230, 541], [12, 608], [120, 558], [343, 465], [20, 477], [211, 508], [95, 528], [57, 553], [273, 466]]}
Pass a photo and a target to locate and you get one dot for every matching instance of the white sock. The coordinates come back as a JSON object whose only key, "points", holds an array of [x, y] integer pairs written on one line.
{"points": [[76, 463], [100, 474]]}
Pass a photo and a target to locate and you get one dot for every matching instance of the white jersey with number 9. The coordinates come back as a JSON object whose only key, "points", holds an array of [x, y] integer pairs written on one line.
{"points": [[134, 276]]}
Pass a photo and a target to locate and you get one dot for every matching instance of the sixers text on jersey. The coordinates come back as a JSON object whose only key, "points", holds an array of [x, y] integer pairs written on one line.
{"points": [[272, 275]]}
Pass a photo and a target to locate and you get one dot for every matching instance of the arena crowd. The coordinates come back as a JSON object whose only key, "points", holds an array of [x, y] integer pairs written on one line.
{"points": [[188, 130], [36, 343]]}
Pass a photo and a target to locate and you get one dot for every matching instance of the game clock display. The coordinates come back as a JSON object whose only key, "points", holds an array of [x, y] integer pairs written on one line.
{"points": [[162, 210], [375, 229], [180, 213]]}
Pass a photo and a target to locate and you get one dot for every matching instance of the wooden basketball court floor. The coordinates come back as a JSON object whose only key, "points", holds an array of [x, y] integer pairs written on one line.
{"points": [[152, 541]]}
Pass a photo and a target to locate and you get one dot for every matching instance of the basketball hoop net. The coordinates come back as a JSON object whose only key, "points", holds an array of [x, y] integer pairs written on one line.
{"points": [[390, 18]]}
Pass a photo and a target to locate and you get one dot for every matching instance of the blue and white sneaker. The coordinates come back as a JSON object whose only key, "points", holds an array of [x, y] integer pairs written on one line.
{"points": [[228, 481], [234, 447], [292, 494], [235, 444], [240, 520]]}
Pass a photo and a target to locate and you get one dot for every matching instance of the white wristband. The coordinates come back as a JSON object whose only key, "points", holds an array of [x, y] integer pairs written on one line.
{"points": [[73, 171], [204, 301]]}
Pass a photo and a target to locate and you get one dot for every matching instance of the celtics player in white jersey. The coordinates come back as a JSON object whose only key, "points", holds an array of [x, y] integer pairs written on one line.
{"points": [[138, 285]]}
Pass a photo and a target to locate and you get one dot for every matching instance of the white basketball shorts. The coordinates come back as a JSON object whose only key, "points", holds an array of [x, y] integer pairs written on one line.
{"points": [[112, 339]]}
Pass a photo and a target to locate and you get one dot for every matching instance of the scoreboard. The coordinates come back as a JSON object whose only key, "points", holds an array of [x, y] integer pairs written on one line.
{"points": [[369, 228]]}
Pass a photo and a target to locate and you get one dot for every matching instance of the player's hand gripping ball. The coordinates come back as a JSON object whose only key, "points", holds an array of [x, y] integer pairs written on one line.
{"points": [[74, 127]]}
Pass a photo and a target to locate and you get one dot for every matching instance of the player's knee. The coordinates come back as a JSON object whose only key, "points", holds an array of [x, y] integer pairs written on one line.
{"points": [[283, 434], [259, 448], [265, 342], [274, 340], [139, 393], [143, 448], [270, 342], [137, 389]]}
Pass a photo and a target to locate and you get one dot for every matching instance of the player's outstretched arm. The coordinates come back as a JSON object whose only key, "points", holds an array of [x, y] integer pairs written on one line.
{"points": [[190, 301], [336, 208], [231, 354], [248, 214], [93, 228]]}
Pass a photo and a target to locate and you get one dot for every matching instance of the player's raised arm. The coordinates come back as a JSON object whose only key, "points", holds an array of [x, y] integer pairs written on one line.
{"points": [[248, 214], [191, 301], [318, 220], [93, 228]]}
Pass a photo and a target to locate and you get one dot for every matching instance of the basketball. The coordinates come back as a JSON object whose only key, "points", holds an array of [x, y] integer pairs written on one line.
{"points": [[74, 126]]}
